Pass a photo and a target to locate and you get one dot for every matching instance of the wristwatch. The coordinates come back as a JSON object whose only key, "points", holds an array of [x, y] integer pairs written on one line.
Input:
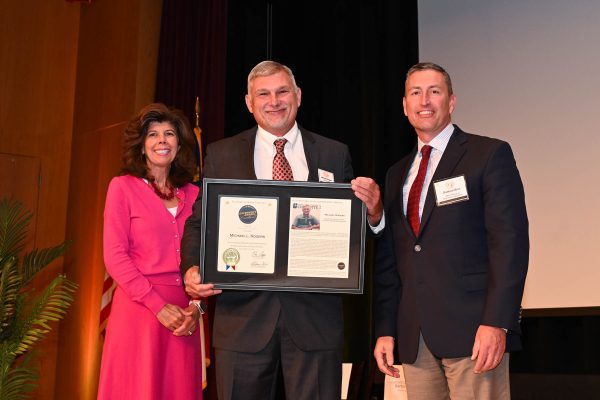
{"points": [[200, 305]]}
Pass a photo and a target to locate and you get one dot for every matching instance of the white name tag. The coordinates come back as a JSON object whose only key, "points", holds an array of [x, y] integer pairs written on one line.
{"points": [[451, 190], [325, 176]]}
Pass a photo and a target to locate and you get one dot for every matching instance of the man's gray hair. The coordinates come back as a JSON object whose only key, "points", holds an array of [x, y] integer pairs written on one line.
{"points": [[268, 68], [425, 66]]}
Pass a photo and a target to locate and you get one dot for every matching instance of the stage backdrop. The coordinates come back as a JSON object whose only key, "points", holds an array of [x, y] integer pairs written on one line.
{"points": [[527, 71]]}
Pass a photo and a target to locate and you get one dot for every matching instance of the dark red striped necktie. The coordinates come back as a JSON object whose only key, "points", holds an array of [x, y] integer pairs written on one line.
{"points": [[414, 196]]}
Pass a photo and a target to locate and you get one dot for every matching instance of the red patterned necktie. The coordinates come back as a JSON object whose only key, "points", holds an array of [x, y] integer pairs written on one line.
{"points": [[281, 167], [414, 196]]}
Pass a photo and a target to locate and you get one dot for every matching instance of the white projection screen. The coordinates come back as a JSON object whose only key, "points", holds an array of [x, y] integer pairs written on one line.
{"points": [[528, 72]]}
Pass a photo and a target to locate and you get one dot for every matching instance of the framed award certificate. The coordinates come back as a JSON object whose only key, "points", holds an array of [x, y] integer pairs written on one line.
{"points": [[279, 235]]}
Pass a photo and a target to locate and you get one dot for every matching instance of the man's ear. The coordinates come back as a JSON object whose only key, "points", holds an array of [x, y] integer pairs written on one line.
{"points": [[248, 102], [452, 103], [299, 96]]}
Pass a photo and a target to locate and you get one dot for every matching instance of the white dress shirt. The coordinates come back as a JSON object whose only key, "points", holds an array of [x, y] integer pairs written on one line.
{"points": [[438, 145], [264, 152]]}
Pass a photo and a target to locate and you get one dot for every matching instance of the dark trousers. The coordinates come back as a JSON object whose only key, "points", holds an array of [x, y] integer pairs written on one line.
{"points": [[314, 375]]}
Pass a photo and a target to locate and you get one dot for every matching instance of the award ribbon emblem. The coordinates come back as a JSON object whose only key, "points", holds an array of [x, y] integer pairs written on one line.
{"points": [[231, 257]]}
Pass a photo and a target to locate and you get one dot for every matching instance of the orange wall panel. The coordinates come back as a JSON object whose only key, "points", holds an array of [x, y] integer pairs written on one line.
{"points": [[38, 50], [116, 67], [71, 75]]}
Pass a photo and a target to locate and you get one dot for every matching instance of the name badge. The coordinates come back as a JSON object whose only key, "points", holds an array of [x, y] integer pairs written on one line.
{"points": [[325, 176], [450, 190]]}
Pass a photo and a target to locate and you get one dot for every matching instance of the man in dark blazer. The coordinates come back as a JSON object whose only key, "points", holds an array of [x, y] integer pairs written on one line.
{"points": [[256, 333], [449, 278]]}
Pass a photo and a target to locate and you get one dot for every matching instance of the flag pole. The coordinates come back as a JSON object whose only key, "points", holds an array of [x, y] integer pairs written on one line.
{"points": [[203, 321], [198, 133]]}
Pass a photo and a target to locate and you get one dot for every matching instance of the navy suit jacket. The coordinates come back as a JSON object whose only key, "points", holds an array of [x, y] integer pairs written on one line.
{"points": [[467, 265], [245, 320]]}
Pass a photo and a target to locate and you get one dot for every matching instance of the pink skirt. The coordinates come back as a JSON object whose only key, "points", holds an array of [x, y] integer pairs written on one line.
{"points": [[142, 359]]}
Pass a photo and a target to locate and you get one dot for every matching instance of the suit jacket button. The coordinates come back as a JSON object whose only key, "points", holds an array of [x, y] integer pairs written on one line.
{"points": [[417, 248]]}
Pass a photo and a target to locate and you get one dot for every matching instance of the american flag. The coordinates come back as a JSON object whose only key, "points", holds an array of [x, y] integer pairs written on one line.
{"points": [[107, 293]]}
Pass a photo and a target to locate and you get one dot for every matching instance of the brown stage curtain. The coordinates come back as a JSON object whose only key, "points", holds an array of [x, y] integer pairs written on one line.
{"points": [[191, 61]]}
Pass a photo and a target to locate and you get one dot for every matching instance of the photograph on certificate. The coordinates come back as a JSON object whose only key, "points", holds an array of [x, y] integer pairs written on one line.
{"points": [[247, 234], [319, 237], [306, 216]]}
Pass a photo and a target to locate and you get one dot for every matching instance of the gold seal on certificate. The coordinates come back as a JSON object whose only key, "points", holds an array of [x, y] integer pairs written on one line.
{"points": [[231, 257]]}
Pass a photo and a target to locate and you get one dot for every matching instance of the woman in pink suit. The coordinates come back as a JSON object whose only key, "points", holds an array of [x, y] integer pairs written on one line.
{"points": [[152, 348]]}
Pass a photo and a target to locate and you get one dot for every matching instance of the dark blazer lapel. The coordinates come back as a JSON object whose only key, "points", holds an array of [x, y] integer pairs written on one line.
{"points": [[312, 154], [452, 155], [246, 153]]}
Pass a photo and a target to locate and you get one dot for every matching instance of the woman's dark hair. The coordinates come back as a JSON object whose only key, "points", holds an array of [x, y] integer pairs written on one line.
{"points": [[183, 167]]}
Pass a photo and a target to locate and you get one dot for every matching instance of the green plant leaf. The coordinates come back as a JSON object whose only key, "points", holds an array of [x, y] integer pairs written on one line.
{"points": [[10, 284], [18, 382], [37, 259], [14, 221], [49, 306], [25, 314]]}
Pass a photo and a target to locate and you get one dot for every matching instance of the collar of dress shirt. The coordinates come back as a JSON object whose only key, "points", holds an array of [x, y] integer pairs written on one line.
{"points": [[440, 141], [267, 139]]}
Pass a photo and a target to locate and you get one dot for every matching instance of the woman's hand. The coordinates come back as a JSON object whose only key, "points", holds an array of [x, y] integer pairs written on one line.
{"points": [[171, 316], [190, 322]]}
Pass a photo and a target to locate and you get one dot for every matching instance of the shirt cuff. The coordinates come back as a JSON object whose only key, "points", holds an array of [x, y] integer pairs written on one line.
{"points": [[379, 227]]}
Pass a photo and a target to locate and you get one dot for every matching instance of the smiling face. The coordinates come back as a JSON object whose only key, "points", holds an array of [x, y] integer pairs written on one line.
{"points": [[274, 102], [306, 210], [160, 146], [428, 103]]}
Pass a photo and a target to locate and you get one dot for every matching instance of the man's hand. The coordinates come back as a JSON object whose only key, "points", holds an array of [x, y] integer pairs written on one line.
{"points": [[488, 349], [194, 286], [384, 355], [367, 190]]}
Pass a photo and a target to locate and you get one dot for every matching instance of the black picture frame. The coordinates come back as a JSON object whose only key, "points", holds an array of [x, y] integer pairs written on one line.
{"points": [[213, 189]]}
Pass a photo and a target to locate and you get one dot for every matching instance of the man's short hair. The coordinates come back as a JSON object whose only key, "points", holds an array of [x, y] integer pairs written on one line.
{"points": [[425, 66], [268, 68]]}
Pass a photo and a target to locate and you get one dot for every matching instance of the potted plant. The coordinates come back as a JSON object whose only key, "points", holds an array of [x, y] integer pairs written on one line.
{"points": [[25, 313]]}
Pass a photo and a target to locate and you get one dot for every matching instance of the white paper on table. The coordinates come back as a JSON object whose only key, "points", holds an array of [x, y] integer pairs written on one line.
{"points": [[346, 373], [395, 388]]}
